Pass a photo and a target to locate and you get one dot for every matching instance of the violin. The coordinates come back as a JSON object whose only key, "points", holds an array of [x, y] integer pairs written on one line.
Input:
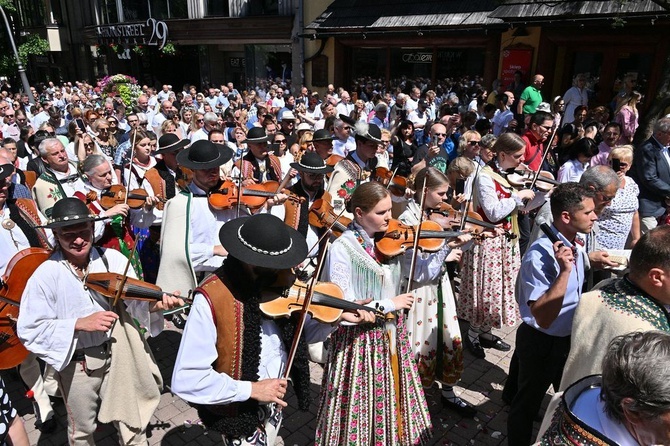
{"points": [[322, 215], [184, 177], [13, 282], [117, 194], [108, 285], [331, 161], [394, 183], [326, 306], [450, 219], [399, 237], [253, 196], [545, 181]]}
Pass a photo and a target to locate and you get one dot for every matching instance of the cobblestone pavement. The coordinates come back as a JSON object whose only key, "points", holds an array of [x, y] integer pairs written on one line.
{"points": [[176, 423]]}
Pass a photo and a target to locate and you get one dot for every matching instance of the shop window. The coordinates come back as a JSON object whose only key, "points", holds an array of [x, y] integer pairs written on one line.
{"points": [[108, 13], [457, 62], [135, 10], [218, 8], [410, 63], [31, 12], [169, 9], [589, 63], [369, 63]]}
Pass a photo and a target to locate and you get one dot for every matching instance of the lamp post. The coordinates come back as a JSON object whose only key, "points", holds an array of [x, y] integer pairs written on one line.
{"points": [[22, 71]]}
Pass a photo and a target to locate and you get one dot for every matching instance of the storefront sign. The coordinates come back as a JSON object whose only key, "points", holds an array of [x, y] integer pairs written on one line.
{"points": [[153, 33], [515, 59], [417, 57], [237, 62]]}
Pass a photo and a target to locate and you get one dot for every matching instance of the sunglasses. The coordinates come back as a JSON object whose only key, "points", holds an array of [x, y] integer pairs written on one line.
{"points": [[474, 143], [439, 134], [200, 120], [144, 124], [280, 141]]}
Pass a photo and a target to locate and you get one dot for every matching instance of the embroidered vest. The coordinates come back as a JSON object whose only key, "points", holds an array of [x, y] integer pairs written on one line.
{"points": [[238, 345], [249, 168]]}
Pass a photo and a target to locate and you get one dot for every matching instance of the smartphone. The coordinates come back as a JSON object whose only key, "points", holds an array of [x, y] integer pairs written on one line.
{"points": [[616, 164], [434, 140], [80, 124], [460, 186]]}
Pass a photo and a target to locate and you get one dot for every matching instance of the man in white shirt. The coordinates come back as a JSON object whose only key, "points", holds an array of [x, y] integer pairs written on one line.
{"points": [[101, 358], [345, 107], [343, 143]]}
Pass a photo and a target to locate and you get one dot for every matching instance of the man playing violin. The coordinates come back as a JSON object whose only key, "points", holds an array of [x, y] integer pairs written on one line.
{"points": [[114, 231], [258, 166], [355, 169], [236, 381], [294, 213], [101, 358], [60, 178]]}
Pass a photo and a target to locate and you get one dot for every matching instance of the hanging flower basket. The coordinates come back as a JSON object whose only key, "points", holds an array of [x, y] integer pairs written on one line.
{"points": [[169, 49], [125, 85]]}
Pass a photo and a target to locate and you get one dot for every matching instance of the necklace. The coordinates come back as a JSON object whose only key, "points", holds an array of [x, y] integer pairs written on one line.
{"points": [[81, 273]]}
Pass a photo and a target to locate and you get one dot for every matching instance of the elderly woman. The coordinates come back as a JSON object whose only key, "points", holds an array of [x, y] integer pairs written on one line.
{"points": [[620, 219], [103, 138], [628, 405]]}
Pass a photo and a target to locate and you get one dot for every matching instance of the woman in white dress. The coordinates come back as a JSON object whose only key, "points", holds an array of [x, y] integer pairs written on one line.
{"points": [[432, 323]]}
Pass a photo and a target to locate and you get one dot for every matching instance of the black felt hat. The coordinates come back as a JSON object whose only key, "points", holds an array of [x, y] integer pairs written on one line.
{"points": [[6, 170], [263, 240], [313, 163], [322, 135], [170, 142], [70, 211], [204, 154], [257, 134], [369, 131]]}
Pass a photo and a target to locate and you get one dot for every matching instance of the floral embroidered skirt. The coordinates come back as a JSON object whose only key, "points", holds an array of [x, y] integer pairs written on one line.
{"points": [[358, 398], [488, 276], [432, 324]]}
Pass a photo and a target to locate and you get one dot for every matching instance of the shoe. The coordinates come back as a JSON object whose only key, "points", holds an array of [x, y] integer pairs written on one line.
{"points": [[48, 426], [475, 349], [496, 343], [459, 406]]}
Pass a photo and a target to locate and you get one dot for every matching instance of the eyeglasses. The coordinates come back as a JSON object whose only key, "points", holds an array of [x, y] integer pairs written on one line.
{"points": [[474, 143], [103, 130], [606, 198], [346, 128], [144, 124], [439, 134], [280, 141], [199, 120], [386, 143], [88, 145], [546, 127]]}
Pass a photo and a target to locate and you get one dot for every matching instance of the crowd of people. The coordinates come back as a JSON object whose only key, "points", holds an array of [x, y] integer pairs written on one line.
{"points": [[211, 201]]}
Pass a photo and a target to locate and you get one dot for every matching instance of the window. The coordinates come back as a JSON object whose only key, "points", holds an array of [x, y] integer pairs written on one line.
{"points": [[218, 8], [107, 10], [31, 13], [135, 10], [168, 9]]}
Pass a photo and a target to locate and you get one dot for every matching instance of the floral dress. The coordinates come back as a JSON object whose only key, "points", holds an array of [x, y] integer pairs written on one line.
{"points": [[487, 296], [362, 402], [432, 323], [616, 221]]}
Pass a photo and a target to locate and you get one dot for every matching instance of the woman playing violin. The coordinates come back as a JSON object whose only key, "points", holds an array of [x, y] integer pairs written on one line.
{"points": [[438, 357], [399, 414], [490, 268]]}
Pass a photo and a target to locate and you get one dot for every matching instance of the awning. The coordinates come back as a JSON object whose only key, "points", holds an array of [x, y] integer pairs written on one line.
{"points": [[537, 11], [380, 15]]}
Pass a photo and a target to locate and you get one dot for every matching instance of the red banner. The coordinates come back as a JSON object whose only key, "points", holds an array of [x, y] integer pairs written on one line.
{"points": [[515, 59]]}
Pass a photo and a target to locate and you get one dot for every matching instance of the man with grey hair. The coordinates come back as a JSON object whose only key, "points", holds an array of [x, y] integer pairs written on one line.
{"points": [[343, 143], [628, 404], [167, 111], [651, 171], [605, 183], [60, 178], [211, 123]]}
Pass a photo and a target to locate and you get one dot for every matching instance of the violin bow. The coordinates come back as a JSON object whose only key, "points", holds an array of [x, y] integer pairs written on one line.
{"points": [[303, 314], [470, 198], [392, 177], [544, 156], [327, 232], [417, 235], [122, 285]]}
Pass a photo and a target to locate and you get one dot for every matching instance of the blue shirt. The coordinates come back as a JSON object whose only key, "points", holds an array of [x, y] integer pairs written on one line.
{"points": [[539, 270]]}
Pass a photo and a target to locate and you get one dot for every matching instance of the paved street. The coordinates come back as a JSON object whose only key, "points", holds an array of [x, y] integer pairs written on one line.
{"points": [[176, 423]]}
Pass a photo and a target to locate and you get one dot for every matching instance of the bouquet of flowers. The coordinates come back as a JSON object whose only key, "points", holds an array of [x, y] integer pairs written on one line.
{"points": [[125, 86]]}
